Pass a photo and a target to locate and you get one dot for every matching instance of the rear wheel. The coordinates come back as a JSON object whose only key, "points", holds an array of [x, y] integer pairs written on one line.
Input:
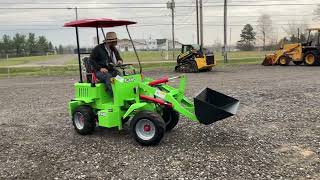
{"points": [[148, 128], [310, 58], [284, 61], [297, 62], [171, 118], [84, 120]]}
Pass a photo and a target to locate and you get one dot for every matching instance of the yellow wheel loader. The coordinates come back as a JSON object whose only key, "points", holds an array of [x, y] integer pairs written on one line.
{"points": [[298, 53], [192, 59]]}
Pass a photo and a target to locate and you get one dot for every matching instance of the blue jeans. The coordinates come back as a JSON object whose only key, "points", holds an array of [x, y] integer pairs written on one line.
{"points": [[106, 79]]}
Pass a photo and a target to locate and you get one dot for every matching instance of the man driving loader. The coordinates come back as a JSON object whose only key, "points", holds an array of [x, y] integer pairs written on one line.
{"points": [[103, 57]]}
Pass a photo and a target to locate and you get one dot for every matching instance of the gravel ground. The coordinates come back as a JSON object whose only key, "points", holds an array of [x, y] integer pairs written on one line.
{"points": [[276, 133]]}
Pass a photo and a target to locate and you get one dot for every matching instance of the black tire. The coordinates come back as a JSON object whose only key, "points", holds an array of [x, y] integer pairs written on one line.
{"points": [[209, 69], [194, 66], [284, 61], [148, 119], [297, 62], [187, 66], [306, 58], [125, 120], [171, 118], [87, 124]]}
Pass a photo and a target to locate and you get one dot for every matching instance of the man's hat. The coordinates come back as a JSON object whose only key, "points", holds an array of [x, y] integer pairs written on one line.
{"points": [[111, 37]]}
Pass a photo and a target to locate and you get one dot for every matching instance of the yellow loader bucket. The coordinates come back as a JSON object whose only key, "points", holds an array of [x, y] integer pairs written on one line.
{"points": [[269, 60]]}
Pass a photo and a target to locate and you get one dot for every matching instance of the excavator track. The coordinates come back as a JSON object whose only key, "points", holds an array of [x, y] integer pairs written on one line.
{"points": [[187, 67]]}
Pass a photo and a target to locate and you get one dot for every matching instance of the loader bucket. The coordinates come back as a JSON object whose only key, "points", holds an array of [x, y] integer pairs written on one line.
{"points": [[212, 106], [268, 60]]}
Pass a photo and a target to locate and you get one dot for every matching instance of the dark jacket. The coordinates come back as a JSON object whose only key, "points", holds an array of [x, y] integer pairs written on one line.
{"points": [[100, 58]]}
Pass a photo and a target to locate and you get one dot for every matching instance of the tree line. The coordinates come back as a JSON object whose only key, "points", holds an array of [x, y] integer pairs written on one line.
{"points": [[264, 32], [248, 39], [27, 45]]}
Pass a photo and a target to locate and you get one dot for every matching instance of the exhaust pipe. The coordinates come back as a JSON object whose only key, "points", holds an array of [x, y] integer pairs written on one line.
{"points": [[212, 106]]}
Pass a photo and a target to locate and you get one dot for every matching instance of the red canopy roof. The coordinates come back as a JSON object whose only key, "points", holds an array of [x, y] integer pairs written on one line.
{"points": [[101, 22]]}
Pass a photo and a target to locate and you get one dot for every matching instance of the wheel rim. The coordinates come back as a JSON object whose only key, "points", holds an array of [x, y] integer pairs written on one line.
{"points": [[78, 120], [283, 60], [145, 129], [310, 59]]}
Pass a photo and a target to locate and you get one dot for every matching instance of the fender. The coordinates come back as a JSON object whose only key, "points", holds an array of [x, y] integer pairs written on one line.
{"points": [[132, 108]]}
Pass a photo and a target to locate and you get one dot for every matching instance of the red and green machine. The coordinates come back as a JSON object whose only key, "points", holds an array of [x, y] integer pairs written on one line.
{"points": [[151, 107]]}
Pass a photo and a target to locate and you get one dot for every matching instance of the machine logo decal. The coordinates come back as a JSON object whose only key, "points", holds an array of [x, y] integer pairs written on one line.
{"points": [[102, 114], [127, 80], [119, 78]]}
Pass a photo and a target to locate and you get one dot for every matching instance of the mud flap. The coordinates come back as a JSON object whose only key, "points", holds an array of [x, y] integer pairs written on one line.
{"points": [[212, 106]]}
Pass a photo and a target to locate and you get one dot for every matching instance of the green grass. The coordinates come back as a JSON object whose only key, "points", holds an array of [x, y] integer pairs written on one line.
{"points": [[149, 56], [71, 67], [24, 60], [62, 70], [31, 71]]}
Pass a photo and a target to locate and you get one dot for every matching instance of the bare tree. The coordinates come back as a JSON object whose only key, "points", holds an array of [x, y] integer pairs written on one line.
{"points": [[264, 29], [294, 28], [217, 45]]}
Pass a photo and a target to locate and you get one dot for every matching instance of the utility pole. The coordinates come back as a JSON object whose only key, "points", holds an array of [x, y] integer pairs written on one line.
{"points": [[197, 11], [230, 39], [171, 5], [76, 9], [225, 54], [201, 25]]}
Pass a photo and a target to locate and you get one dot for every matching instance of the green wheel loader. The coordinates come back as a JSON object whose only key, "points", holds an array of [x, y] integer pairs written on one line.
{"points": [[151, 107]]}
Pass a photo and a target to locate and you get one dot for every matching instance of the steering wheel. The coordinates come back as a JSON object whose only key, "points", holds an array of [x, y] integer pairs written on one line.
{"points": [[123, 65]]}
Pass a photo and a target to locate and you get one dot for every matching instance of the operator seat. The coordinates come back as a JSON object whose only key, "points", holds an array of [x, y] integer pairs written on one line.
{"points": [[90, 72]]}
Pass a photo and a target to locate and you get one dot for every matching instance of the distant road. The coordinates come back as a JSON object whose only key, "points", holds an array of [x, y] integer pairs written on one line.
{"points": [[60, 60]]}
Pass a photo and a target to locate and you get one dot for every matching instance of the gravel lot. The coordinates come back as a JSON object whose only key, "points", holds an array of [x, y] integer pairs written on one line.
{"points": [[276, 133]]}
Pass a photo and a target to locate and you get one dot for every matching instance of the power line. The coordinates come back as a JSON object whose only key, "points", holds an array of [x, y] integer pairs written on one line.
{"points": [[130, 3], [157, 7], [164, 24], [274, 15], [207, 22]]}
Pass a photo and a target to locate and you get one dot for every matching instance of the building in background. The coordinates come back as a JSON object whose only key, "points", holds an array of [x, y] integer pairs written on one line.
{"points": [[166, 44], [125, 45], [147, 45]]}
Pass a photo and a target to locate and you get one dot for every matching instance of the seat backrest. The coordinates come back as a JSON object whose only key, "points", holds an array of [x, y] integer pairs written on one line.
{"points": [[87, 64], [90, 73]]}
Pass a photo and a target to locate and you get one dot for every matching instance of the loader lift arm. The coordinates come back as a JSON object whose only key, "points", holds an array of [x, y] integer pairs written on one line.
{"points": [[209, 106]]}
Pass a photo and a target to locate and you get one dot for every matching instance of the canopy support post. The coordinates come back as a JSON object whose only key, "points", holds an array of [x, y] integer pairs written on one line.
{"points": [[98, 40], [104, 35], [134, 48], [79, 57]]}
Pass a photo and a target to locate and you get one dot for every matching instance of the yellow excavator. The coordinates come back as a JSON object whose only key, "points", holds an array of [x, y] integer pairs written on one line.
{"points": [[298, 53], [192, 59]]}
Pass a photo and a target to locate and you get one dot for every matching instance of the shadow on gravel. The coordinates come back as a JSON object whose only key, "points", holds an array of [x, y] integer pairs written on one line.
{"points": [[110, 132]]}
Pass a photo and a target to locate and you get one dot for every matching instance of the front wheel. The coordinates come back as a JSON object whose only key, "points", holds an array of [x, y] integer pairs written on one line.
{"points": [[284, 61], [148, 128], [171, 118], [84, 120]]}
